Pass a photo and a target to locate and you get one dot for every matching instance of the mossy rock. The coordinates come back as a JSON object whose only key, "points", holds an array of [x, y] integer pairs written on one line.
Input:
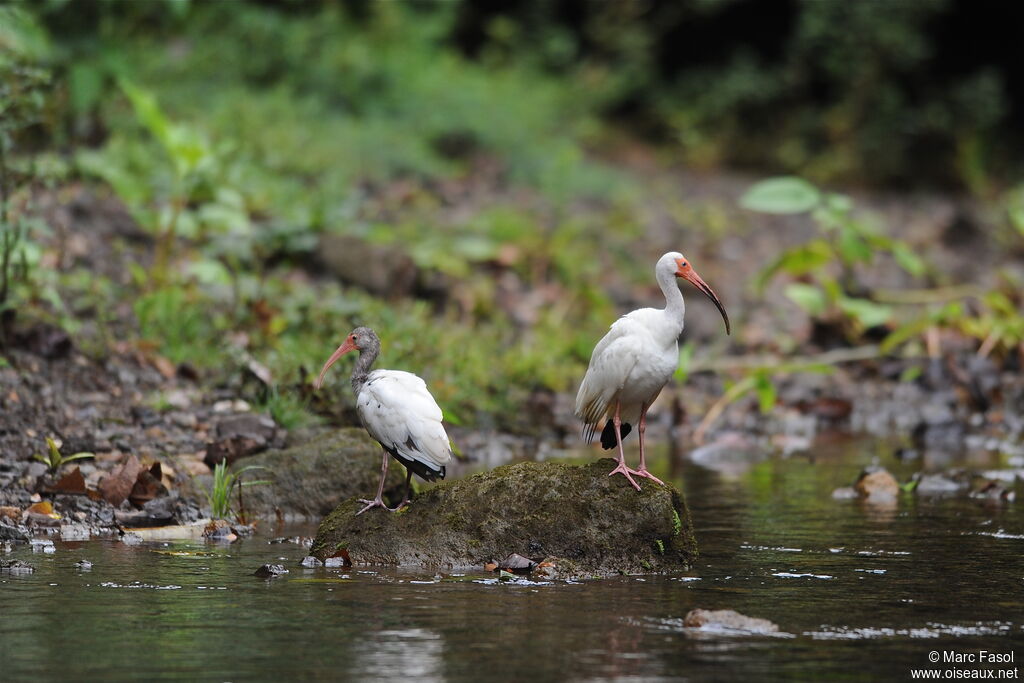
{"points": [[310, 480], [592, 524]]}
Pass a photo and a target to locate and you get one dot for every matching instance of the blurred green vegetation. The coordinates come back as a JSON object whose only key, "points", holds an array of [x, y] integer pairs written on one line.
{"points": [[239, 134]]}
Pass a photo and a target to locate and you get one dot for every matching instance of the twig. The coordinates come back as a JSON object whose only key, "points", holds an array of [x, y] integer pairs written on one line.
{"points": [[927, 296], [834, 357]]}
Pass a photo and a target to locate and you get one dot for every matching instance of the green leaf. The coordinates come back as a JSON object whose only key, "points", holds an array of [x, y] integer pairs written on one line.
{"points": [[866, 312], [685, 362], [852, 247], [910, 373], [908, 260], [807, 297], [798, 261], [765, 390], [784, 195]]}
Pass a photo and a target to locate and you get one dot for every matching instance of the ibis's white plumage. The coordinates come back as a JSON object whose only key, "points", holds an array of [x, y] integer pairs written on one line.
{"points": [[397, 410], [635, 360], [631, 364]]}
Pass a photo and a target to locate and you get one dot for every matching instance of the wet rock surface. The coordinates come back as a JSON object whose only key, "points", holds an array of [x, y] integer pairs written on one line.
{"points": [[310, 480], [16, 567], [590, 523], [269, 571]]}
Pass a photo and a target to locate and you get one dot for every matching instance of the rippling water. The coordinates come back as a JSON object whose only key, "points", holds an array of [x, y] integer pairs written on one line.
{"points": [[858, 592]]}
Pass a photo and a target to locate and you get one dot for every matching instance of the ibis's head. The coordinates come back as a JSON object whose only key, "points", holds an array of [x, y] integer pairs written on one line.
{"points": [[361, 339], [681, 267]]}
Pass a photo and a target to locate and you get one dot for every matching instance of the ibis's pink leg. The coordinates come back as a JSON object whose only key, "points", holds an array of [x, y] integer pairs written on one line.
{"points": [[378, 502], [621, 467], [640, 429]]}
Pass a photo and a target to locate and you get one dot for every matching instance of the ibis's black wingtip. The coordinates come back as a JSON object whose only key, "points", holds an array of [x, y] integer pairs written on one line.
{"points": [[608, 434]]}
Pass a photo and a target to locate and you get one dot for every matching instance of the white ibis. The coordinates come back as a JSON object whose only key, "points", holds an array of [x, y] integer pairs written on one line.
{"points": [[398, 411], [634, 361]]}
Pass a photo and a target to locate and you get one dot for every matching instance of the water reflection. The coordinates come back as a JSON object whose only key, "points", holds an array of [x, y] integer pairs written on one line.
{"points": [[399, 654], [919, 574]]}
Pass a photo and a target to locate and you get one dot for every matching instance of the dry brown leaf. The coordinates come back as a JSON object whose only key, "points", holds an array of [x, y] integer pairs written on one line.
{"points": [[165, 367], [72, 482], [117, 485]]}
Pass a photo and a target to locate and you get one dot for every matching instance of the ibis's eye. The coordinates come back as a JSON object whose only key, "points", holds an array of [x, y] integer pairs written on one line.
{"points": [[682, 264]]}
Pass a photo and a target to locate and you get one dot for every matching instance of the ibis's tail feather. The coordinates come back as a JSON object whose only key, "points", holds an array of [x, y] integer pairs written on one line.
{"points": [[608, 434], [424, 471]]}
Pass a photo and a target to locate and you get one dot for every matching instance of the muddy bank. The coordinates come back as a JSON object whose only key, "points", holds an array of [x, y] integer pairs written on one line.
{"points": [[576, 517]]}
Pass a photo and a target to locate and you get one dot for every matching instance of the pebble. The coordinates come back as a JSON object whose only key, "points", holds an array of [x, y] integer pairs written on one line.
{"points": [[83, 565], [310, 561], [42, 545]]}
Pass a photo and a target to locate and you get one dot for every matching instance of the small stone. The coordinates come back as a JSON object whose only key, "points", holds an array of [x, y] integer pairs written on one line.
{"points": [[74, 532], [844, 493], [270, 571], [728, 620], [517, 564], [337, 562], [877, 485], [42, 545], [131, 538], [937, 485], [83, 565], [310, 561]]}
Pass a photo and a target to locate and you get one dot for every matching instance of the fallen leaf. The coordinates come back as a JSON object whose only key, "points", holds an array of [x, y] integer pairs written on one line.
{"points": [[343, 554], [164, 367], [10, 511], [490, 566], [43, 508], [72, 482], [118, 485]]}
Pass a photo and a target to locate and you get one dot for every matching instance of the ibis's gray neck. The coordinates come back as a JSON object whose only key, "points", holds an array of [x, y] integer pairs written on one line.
{"points": [[362, 368], [675, 307]]}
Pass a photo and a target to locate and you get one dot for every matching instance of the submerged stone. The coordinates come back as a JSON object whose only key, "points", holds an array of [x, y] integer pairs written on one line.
{"points": [[269, 571], [588, 523], [728, 621]]}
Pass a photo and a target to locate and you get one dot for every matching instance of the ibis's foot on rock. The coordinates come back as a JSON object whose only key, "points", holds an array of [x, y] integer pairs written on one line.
{"points": [[642, 472], [626, 472], [375, 503]]}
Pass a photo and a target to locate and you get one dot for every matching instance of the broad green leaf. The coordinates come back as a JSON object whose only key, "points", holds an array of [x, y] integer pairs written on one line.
{"points": [[784, 195], [807, 297], [867, 313]]}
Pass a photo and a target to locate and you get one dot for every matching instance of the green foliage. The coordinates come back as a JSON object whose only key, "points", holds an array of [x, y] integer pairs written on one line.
{"points": [[828, 286], [23, 91], [53, 458], [225, 483], [175, 321]]}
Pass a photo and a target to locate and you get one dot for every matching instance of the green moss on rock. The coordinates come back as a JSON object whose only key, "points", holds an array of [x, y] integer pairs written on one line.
{"points": [[595, 524]]}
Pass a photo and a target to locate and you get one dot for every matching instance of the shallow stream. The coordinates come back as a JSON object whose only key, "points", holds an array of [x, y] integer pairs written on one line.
{"points": [[858, 592]]}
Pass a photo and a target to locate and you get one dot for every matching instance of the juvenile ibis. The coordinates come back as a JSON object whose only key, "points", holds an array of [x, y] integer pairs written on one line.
{"points": [[634, 361], [398, 411]]}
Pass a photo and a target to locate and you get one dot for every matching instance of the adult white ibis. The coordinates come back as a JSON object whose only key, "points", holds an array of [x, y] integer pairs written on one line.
{"points": [[398, 411], [634, 361]]}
